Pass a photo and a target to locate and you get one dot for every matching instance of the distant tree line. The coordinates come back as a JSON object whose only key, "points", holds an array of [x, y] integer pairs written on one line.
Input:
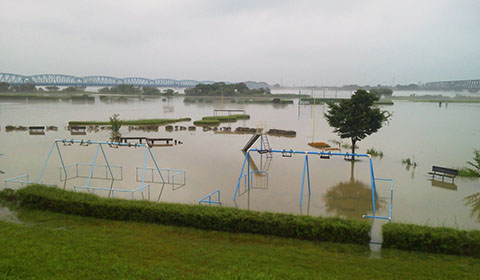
{"points": [[382, 92], [218, 89], [367, 87], [131, 89], [6, 87]]}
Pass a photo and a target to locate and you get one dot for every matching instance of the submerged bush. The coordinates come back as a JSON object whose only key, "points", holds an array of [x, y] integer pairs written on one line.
{"points": [[472, 172], [197, 216], [375, 153], [207, 122]]}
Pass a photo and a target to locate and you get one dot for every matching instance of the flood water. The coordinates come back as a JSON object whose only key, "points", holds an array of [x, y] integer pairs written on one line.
{"points": [[427, 133]]}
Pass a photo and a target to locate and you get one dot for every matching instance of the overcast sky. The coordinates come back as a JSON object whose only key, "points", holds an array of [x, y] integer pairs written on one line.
{"points": [[299, 42]]}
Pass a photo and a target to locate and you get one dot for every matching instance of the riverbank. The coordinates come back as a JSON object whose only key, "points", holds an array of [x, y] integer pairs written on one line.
{"points": [[41, 245]]}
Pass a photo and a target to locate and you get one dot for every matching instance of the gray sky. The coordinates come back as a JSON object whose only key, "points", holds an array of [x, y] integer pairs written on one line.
{"points": [[303, 42]]}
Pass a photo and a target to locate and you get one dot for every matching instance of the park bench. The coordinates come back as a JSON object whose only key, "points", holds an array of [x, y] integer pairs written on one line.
{"points": [[443, 172]]}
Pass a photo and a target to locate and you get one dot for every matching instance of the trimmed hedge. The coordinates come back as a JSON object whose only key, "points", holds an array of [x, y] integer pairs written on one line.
{"points": [[431, 239], [197, 216]]}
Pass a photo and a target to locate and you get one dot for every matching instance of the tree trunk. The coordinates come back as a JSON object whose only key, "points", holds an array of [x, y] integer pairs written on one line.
{"points": [[352, 171], [353, 148]]}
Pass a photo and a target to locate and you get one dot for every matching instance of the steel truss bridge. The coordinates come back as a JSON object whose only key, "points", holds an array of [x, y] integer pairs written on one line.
{"points": [[94, 81], [454, 85]]}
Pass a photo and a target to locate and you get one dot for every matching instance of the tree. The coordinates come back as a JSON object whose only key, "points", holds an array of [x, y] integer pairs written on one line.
{"points": [[116, 124], [385, 92], [52, 88], [104, 90], [125, 89], [150, 90], [355, 118], [24, 88], [168, 92], [4, 87]]}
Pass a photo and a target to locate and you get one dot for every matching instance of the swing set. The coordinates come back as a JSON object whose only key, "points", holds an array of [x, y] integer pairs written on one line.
{"points": [[66, 172], [246, 175]]}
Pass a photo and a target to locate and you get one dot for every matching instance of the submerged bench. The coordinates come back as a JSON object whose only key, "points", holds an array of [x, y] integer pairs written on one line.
{"points": [[149, 141], [443, 172]]}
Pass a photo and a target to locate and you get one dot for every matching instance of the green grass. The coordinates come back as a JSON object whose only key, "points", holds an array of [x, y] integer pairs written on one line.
{"points": [[58, 246], [132, 122], [265, 101], [228, 118], [207, 122], [221, 119], [216, 120]]}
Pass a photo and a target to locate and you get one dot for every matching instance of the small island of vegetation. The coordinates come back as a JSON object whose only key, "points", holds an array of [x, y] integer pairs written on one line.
{"points": [[219, 89]]}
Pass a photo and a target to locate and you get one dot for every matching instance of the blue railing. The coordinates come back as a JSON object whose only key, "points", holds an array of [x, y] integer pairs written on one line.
{"points": [[208, 198]]}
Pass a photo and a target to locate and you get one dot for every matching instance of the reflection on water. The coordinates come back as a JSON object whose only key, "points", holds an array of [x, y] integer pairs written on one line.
{"points": [[350, 199], [444, 185], [474, 202]]}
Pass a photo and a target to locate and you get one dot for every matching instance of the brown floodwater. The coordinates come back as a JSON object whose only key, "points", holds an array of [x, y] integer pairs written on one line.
{"points": [[427, 133]]}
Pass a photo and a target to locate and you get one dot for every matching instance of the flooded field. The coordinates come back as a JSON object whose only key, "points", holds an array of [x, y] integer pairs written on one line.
{"points": [[426, 133]]}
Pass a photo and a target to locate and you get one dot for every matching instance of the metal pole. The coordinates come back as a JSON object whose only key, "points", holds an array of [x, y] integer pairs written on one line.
{"points": [[106, 161], [303, 180], [144, 168], [156, 165], [240, 177], [248, 171], [91, 168], [45, 163], [308, 174], [61, 160], [372, 178]]}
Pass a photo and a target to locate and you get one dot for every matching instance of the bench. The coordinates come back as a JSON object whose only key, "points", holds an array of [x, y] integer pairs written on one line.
{"points": [[443, 172]]}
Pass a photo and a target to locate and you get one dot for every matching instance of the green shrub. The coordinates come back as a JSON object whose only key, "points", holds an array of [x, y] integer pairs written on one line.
{"points": [[207, 122], [241, 116], [221, 118], [7, 195], [375, 153], [197, 216], [189, 100], [230, 118], [472, 172], [431, 239]]}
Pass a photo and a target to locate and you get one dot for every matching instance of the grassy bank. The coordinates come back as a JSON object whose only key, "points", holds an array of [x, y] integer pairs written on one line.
{"points": [[438, 98], [132, 122], [57, 246], [216, 120]]}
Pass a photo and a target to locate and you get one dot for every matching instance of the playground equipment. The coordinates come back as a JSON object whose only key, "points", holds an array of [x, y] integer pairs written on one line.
{"points": [[264, 143], [245, 175], [65, 170], [208, 198], [170, 177]]}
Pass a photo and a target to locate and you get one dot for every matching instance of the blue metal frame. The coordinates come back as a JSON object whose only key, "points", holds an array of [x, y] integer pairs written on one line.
{"points": [[77, 175], [306, 175], [208, 198], [170, 177], [93, 165]]}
